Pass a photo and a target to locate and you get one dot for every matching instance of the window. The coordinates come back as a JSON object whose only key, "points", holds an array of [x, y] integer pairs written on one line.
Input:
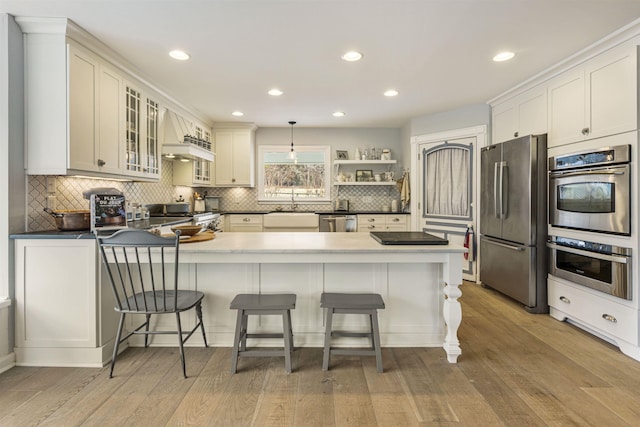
{"points": [[306, 179], [447, 174]]}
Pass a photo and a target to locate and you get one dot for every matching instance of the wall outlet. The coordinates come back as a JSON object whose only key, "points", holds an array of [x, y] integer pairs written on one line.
{"points": [[52, 203]]}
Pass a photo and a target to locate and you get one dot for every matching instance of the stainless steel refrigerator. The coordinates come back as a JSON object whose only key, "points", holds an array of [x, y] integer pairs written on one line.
{"points": [[513, 220]]}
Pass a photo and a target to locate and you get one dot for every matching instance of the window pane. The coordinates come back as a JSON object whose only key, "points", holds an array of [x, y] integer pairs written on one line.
{"points": [[306, 176]]}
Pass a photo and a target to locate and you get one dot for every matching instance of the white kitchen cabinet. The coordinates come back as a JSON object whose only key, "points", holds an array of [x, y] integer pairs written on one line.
{"points": [[141, 137], [235, 157], [95, 114], [615, 321], [382, 222], [243, 223], [597, 99], [525, 114], [62, 318], [195, 173], [75, 114]]}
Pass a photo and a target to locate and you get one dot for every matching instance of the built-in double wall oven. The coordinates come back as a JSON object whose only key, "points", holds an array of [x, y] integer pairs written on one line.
{"points": [[591, 190]]}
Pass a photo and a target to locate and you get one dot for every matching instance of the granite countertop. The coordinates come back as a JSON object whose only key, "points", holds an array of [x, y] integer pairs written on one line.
{"points": [[144, 224]]}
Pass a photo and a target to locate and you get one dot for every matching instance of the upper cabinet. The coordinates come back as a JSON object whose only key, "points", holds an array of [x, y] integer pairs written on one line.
{"points": [[235, 156], [85, 113], [525, 114], [597, 99], [113, 127]]}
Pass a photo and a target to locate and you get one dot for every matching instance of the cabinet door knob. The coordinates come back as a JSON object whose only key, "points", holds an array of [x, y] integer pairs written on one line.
{"points": [[585, 131], [515, 134], [233, 180], [101, 162], [610, 318]]}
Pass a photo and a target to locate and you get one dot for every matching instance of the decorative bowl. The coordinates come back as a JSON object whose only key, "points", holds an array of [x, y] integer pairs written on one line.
{"points": [[187, 230]]}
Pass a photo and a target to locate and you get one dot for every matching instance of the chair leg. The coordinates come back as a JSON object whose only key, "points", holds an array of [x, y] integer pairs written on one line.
{"points": [[146, 329], [375, 333], [181, 343], [327, 340], [116, 345], [199, 314], [236, 342], [286, 329]]}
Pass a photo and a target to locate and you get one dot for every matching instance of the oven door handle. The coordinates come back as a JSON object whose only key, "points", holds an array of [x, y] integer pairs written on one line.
{"points": [[586, 173], [596, 255]]}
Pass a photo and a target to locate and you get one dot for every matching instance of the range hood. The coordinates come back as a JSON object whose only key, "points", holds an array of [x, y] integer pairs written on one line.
{"points": [[179, 145]]}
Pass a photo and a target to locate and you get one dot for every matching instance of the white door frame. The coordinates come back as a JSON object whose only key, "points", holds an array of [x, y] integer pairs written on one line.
{"points": [[477, 132]]}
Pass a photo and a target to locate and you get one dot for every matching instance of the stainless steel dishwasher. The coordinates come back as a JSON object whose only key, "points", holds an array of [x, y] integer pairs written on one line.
{"points": [[330, 223]]}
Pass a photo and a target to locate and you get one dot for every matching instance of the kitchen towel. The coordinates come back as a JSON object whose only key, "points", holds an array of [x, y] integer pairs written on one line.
{"points": [[405, 192]]}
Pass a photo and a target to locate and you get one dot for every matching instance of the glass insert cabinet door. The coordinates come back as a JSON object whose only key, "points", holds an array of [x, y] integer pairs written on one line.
{"points": [[132, 114], [447, 180]]}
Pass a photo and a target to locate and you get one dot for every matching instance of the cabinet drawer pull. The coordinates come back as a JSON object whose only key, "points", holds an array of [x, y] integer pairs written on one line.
{"points": [[372, 226], [371, 220], [565, 299], [395, 219], [246, 219], [610, 318]]}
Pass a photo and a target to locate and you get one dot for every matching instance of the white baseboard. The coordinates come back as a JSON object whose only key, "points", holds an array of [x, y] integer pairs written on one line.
{"points": [[7, 362]]}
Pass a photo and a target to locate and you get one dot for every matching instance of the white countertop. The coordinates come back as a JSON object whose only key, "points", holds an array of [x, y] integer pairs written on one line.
{"points": [[312, 242]]}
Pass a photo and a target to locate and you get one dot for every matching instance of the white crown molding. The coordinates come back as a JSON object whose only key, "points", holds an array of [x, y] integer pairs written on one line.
{"points": [[623, 35], [66, 27]]}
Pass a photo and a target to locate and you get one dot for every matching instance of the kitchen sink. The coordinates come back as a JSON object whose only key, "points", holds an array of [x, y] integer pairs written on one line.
{"points": [[290, 221]]}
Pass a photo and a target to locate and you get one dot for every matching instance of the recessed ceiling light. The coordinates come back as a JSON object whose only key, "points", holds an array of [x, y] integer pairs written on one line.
{"points": [[503, 56], [170, 156], [352, 56], [180, 55], [275, 92], [391, 92], [184, 160], [237, 113], [338, 114]]}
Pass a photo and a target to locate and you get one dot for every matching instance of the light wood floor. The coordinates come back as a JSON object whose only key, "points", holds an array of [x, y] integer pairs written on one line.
{"points": [[516, 369]]}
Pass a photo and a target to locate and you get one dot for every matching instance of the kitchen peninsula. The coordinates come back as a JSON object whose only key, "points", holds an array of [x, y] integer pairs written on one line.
{"points": [[418, 283]]}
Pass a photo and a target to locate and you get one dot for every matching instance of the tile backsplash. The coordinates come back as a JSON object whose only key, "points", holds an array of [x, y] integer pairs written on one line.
{"points": [[68, 195]]}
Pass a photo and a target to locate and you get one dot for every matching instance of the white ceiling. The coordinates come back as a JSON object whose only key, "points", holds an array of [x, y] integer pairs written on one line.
{"points": [[436, 53]]}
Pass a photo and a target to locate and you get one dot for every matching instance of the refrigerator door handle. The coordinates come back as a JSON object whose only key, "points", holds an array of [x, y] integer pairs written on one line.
{"points": [[504, 245], [503, 195], [497, 201]]}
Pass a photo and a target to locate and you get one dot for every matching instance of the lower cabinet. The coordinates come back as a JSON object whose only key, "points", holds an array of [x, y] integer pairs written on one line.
{"points": [[64, 312], [616, 322], [386, 222], [243, 223]]}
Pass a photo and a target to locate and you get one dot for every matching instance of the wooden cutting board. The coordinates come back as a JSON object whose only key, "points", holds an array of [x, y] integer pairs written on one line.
{"points": [[203, 236]]}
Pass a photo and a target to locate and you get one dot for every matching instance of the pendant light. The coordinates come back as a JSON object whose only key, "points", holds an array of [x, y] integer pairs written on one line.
{"points": [[292, 153]]}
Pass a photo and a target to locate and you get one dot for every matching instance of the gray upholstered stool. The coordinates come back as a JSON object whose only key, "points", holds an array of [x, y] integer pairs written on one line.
{"points": [[352, 304], [255, 304]]}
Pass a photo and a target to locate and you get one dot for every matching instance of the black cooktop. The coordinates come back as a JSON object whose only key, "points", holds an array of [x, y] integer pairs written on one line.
{"points": [[407, 238]]}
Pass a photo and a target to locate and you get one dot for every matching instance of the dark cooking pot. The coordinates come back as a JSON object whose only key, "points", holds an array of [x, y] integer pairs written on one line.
{"points": [[71, 220]]}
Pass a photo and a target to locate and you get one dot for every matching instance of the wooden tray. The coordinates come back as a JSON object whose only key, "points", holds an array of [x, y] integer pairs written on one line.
{"points": [[203, 236]]}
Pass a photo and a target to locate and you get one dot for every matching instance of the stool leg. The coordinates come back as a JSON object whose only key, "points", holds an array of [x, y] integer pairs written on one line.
{"points": [[236, 341], [327, 340], [244, 330], [376, 339], [286, 333], [293, 347]]}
